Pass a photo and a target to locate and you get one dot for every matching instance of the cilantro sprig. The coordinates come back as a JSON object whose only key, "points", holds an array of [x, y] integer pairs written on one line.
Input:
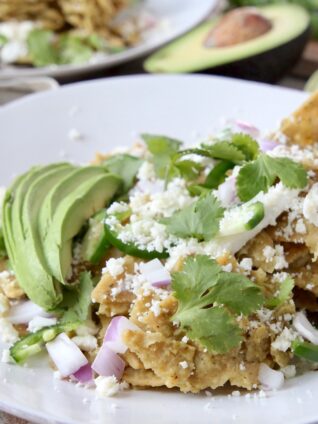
{"points": [[262, 173], [200, 220], [209, 299], [258, 172], [166, 158]]}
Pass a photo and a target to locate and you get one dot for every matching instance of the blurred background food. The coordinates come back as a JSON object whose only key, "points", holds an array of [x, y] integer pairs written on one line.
{"points": [[55, 32], [262, 40], [255, 43]]}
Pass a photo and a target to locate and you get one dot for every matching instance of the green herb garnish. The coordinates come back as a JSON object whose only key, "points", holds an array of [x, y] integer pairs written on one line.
{"points": [[262, 173], [199, 220], [126, 167], [208, 301]]}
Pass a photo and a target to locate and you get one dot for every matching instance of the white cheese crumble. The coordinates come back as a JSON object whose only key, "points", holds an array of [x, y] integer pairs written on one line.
{"points": [[184, 364], [40, 322], [6, 357], [115, 267], [289, 371], [108, 386], [227, 268], [310, 208], [155, 307], [300, 226], [246, 264], [185, 339], [89, 328], [86, 343], [284, 340], [146, 172], [8, 333], [275, 254]]}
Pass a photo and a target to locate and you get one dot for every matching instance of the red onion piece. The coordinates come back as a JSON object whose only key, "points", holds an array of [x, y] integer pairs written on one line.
{"points": [[24, 312], [304, 328], [84, 374], [67, 357], [247, 128], [267, 145], [107, 363], [162, 284], [113, 336], [155, 272], [269, 378]]}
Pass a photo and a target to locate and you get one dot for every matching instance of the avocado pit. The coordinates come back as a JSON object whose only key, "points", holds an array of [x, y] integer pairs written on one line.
{"points": [[238, 26]]}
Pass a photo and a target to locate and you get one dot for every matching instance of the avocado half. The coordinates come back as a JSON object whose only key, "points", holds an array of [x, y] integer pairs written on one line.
{"points": [[265, 58]]}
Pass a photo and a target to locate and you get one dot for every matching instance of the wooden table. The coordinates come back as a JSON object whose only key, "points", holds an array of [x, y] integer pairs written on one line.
{"points": [[295, 79]]}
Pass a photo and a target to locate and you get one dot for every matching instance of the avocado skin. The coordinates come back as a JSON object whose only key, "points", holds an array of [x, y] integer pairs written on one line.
{"points": [[269, 66]]}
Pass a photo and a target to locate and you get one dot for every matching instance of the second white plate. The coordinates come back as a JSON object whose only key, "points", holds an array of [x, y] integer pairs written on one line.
{"points": [[177, 17]]}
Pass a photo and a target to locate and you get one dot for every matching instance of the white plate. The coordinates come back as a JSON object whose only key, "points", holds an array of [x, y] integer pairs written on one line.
{"points": [[110, 113], [177, 16]]}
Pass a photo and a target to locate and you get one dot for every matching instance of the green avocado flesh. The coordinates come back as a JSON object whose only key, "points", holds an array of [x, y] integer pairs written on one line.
{"points": [[43, 211], [188, 53]]}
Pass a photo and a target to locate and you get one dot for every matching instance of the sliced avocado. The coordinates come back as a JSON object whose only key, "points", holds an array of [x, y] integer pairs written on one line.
{"points": [[37, 192], [61, 190], [264, 58], [69, 217], [95, 243], [28, 267]]}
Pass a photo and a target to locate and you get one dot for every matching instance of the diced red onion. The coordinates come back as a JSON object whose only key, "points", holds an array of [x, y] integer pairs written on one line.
{"points": [[269, 378], [227, 193], [155, 273], [267, 145], [107, 363], [24, 312], [65, 354], [162, 284], [151, 187], [247, 128], [84, 374], [304, 328], [113, 336]]}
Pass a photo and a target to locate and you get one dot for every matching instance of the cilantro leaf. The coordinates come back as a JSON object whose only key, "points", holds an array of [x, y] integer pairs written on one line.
{"points": [[201, 283], [188, 169], [126, 167], [285, 291], [41, 47], [163, 150], [264, 171], [199, 220], [246, 144], [225, 151], [238, 293], [215, 329], [76, 302]]}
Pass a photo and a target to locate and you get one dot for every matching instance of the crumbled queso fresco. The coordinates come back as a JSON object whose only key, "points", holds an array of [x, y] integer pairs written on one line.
{"points": [[201, 270]]}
